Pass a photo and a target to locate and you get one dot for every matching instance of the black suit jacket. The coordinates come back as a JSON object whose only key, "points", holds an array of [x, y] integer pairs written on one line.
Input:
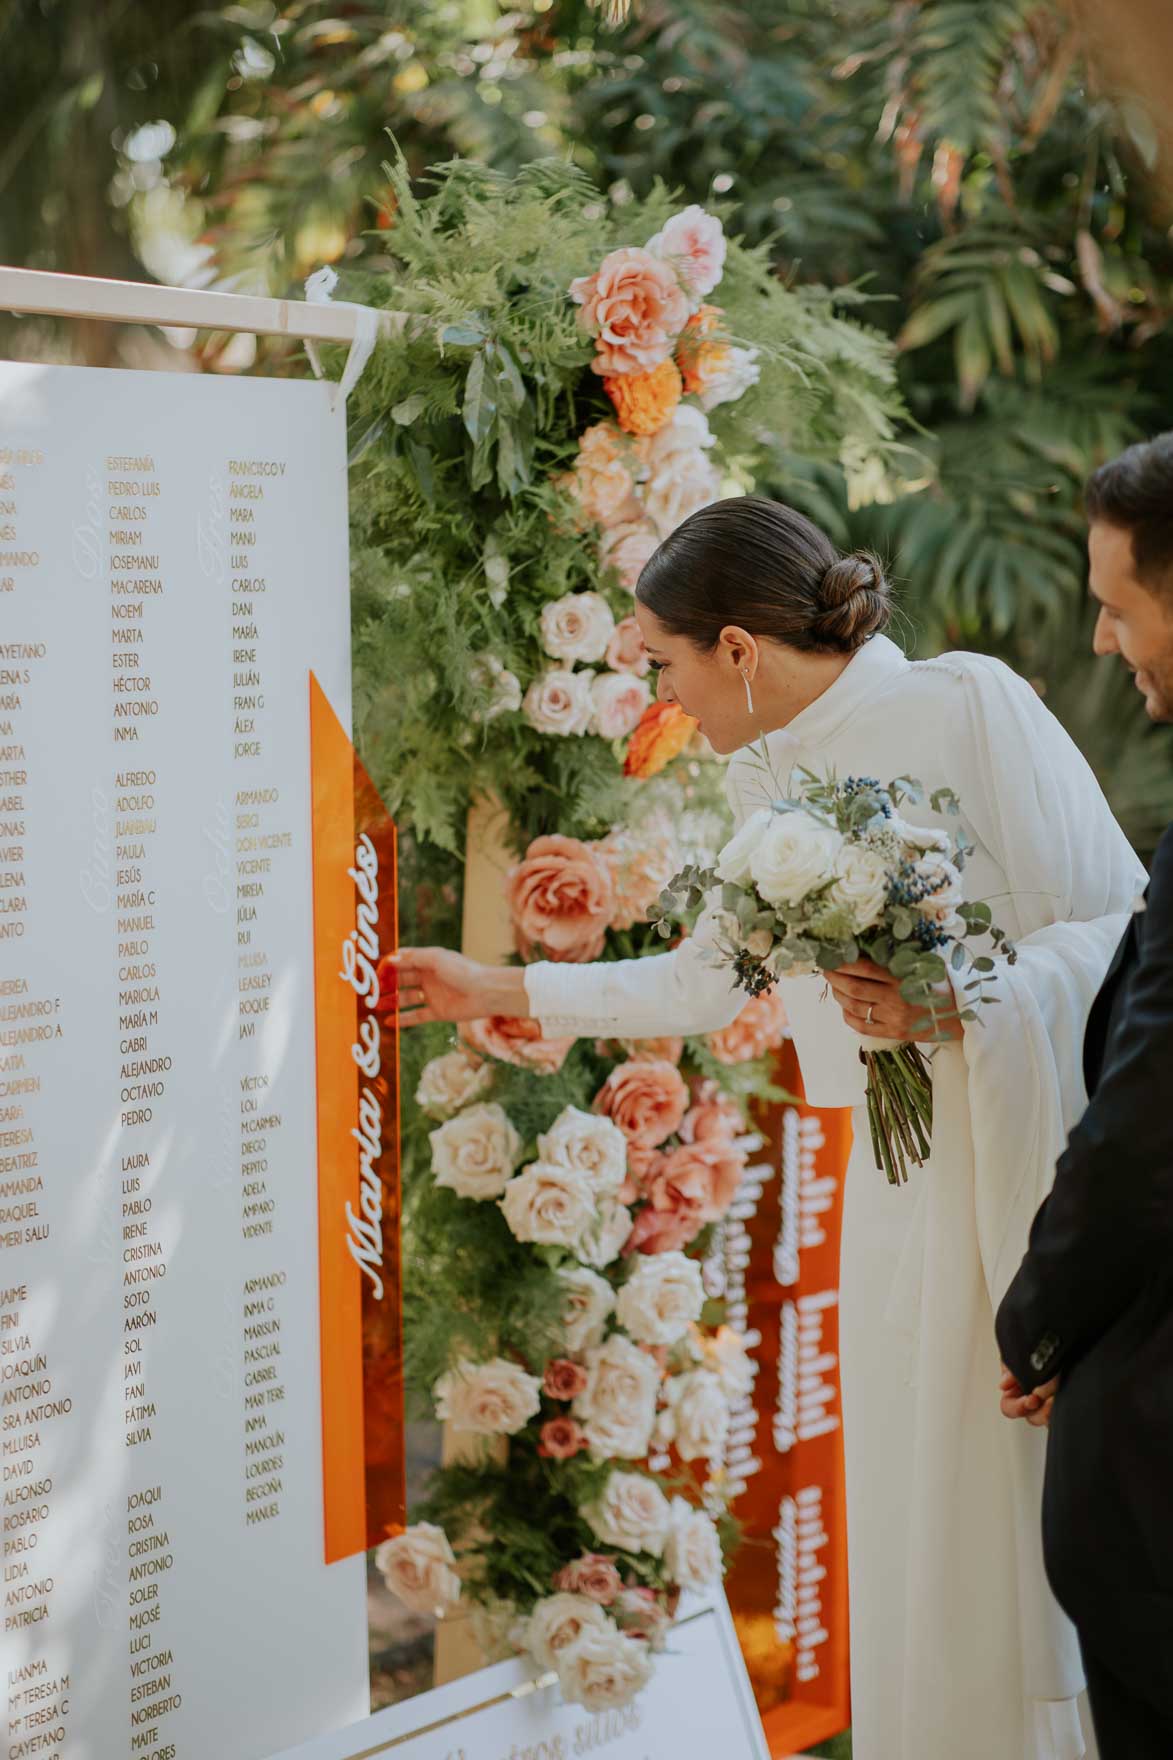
{"points": [[1093, 1303]]}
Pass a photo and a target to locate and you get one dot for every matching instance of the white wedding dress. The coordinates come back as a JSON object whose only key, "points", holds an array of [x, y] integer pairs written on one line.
{"points": [[959, 1651]]}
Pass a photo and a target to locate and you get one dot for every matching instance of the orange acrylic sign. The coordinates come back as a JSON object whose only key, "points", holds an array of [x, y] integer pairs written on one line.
{"points": [[355, 923], [787, 1588]]}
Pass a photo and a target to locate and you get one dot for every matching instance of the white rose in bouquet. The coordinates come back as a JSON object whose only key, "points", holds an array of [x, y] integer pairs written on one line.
{"points": [[632, 1513], [733, 864], [560, 703], [795, 856], [419, 1568], [940, 906], [617, 1407], [475, 1152], [661, 1298], [550, 1205], [589, 1301], [447, 1083], [577, 627], [604, 1671], [589, 1144], [731, 380], [861, 884], [699, 1414], [496, 1398], [693, 1549], [922, 837], [606, 1238], [618, 700], [558, 1623]]}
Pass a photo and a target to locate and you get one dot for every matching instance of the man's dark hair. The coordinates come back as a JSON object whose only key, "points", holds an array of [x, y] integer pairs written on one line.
{"points": [[1135, 493]]}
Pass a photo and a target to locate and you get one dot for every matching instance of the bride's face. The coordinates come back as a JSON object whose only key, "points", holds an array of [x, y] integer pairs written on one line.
{"points": [[711, 687]]}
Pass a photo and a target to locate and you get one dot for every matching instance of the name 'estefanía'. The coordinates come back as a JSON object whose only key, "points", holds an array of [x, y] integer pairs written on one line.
{"points": [[360, 957]]}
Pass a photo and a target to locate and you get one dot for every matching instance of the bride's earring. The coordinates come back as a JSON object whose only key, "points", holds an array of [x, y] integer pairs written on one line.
{"points": [[748, 693]]}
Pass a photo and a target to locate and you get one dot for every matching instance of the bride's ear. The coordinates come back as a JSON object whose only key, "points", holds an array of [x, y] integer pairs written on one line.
{"points": [[739, 647]]}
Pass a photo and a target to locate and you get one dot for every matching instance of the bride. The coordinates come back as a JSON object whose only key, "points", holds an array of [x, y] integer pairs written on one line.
{"points": [[757, 626]]}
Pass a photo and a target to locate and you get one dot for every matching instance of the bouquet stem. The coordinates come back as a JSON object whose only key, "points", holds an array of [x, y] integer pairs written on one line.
{"points": [[900, 1109]]}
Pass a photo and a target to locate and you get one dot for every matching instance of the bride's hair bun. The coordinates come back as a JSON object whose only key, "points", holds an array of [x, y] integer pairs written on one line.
{"points": [[855, 602]]}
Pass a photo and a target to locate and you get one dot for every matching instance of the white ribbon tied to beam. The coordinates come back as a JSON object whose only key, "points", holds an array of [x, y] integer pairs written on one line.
{"points": [[319, 290]]}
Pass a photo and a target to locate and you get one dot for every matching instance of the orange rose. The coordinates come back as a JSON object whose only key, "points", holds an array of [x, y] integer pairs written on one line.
{"points": [[647, 1100], [760, 1027], [644, 401], [516, 1041], [699, 357], [662, 735], [562, 899]]}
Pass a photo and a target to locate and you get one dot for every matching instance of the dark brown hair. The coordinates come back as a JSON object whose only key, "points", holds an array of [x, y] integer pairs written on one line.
{"points": [[1135, 493], [756, 563]]}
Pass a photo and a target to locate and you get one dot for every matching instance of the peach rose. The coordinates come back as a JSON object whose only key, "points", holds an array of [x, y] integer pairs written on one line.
{"points": [[592, 1575], [662, 1231], [644, 401], [647, 1100], [516, 1041], [760, 1027], [683, 484], [563, 1379], [626, 548], [560, 1439], [694, 1185], [561, 899], [641, 1165], [713, 1114], [626, 651], [640, 1050], [662, 735], [641, 863], [601, 481], [635, 307], [694, 242]]}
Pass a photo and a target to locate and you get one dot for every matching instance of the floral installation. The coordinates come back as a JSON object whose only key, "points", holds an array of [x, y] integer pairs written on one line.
{"points": [[569, 380]]}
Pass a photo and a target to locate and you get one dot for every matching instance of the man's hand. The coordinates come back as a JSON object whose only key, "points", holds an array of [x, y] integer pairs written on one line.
{"points": [[871, 1002], [1035, 1407]]}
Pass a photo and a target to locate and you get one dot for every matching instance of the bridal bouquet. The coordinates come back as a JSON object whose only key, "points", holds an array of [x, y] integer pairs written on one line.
{"points": [[832, 874]]}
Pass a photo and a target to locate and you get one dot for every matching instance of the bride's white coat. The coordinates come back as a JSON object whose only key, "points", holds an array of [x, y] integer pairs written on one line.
{"points": [[958, 1648]]}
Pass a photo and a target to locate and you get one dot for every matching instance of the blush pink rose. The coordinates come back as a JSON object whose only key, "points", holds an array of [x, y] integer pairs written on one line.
{"points": [[694, 1185], [627, 547], [760, 1027], [561, 1439], [562, 899], [662, 1231], [646, 1099], [626, 651], [516, 1041], [635, 308], [694, 243], [641, 1165], [618, 702], [712, 1114], [564, 1379], [592, 1575]]}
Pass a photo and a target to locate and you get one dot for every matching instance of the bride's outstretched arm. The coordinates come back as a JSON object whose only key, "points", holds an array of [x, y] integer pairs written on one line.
{"points": [[666, 993]]}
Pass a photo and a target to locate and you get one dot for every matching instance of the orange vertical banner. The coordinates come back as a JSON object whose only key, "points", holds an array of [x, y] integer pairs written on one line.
{"points": [[355, 924], [787, 1588]]}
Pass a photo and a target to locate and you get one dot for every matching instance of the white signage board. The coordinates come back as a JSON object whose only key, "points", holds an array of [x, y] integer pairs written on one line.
{"points": [[173, 562], [698, 1706]]}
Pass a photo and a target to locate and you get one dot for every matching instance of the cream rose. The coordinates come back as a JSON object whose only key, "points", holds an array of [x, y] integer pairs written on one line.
{"points": [[733, 863], [496, 1398], [700, 1414], [604, 1671], [579, 626], [617, 1408], [693, 1549], [560, 703], [550, 1205], [603, 1242], [684, 483], [726, 1354], [419, 1568], [475, 1152], [590, 1145], [627, 548], [940, 906], [626, 651], [731, 378], [589, 1300], [618, 700], [795, 855], [447, 1083], [688, 431], [861, 884], [558, 1623], [632, 1513], [661, 1299]]}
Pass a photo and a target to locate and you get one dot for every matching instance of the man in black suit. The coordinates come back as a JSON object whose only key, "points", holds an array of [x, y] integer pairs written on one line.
{"points": [[1086, 1328]]}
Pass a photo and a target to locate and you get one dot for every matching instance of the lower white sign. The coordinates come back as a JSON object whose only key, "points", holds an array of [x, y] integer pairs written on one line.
{"points": [[699, 1704]]}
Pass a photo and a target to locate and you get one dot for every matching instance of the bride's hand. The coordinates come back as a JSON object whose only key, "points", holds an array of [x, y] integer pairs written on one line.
{"points": [[872, 1004], [436, 984]]}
